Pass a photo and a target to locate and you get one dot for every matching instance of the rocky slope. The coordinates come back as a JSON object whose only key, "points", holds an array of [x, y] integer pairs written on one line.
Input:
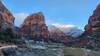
{"points": [[91, 37], [94, 21], [6, 18], [7, 27]]}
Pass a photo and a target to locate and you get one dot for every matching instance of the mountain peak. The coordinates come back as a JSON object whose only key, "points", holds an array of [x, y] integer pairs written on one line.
{"points": [[97, 11], [37, 13], [94, 21], [36, 17], [35, 25]]}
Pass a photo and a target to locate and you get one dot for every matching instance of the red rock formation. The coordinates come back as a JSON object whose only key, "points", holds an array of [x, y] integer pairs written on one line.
{"points": [[92, 29], [58, 35], [6, 18], [94, 21], [35, 25]]}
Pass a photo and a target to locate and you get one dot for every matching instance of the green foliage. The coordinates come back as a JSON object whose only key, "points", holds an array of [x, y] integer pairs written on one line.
{"points": [[95, 35], [9, 35], [93, 45]]}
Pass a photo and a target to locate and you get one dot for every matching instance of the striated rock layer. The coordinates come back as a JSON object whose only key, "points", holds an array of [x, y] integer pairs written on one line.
{"points": [[6, 18], [94, 21], [34, 25]]}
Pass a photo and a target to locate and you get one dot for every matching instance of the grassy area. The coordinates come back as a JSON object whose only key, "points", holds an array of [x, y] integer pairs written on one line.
{"points": [[68, 51]]}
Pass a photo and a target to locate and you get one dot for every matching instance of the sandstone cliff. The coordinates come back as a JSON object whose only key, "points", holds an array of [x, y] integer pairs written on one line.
{"points": [[34, 25], [94, 21], [6, 18]]}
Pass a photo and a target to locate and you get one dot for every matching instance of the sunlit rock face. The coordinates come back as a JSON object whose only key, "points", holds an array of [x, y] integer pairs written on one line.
{"points": [[94, 21], [35, 25], [6, 18]]}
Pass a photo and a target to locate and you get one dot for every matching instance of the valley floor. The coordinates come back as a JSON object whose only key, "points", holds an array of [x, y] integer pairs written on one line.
{"points": [[45, 50]]}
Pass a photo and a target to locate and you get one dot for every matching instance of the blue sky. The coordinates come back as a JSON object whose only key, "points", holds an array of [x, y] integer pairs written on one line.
{"points": [[74, 12]]}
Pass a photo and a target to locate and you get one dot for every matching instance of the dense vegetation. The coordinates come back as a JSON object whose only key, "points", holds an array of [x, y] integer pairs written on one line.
{"points": [[94, 42], [8, 35]]}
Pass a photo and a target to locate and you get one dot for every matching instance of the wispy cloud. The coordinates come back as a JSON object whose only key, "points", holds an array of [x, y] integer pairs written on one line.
{"points": [[50, 22], [58, 24], [64, 25], [19, 18]]}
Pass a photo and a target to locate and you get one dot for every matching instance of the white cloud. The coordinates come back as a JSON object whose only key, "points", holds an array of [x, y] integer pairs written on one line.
{"points": [[19, 18], [50, 22], [59, 24], [63, 25]]}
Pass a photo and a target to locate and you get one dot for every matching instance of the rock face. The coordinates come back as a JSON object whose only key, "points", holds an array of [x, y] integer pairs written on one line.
{"points": [[58, 36], [94, 21], [34, 25], [6, 18], [91, 37]]}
